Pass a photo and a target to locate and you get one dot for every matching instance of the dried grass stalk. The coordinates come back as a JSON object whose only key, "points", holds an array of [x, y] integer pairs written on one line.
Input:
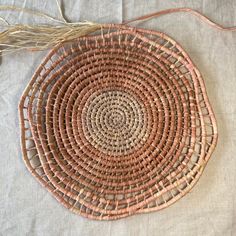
{"points": [[40, 37]]}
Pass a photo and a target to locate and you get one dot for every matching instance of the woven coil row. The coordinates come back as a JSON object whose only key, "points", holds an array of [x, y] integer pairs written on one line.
{"points": [[118, 123]]}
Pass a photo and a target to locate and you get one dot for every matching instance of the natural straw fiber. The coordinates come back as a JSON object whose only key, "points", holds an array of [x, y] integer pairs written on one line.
{"points": [[117, 123], [40, 37]]}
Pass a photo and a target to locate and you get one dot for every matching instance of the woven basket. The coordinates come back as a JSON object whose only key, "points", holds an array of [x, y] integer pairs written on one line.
{"points": [[117, 123]]}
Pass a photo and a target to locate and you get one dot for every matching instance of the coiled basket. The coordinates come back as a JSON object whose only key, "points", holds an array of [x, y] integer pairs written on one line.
{"points": [[117, 123]]}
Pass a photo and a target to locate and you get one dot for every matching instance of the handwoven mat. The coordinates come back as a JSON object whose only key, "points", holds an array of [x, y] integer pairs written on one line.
{"points": [[118, 123]]}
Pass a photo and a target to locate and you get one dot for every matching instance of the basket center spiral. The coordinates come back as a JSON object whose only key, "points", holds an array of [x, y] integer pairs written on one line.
{"points": [[114, 122]]}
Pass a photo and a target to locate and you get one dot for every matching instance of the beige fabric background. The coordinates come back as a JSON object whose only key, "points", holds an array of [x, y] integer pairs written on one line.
{"points": [[209, 209]]}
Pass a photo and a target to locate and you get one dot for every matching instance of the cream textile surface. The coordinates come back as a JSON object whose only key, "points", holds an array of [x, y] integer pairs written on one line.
{"points": [[209, 209]]}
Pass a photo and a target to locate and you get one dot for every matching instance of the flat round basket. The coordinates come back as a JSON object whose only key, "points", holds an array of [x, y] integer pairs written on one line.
{"points": [[117, 123]]}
